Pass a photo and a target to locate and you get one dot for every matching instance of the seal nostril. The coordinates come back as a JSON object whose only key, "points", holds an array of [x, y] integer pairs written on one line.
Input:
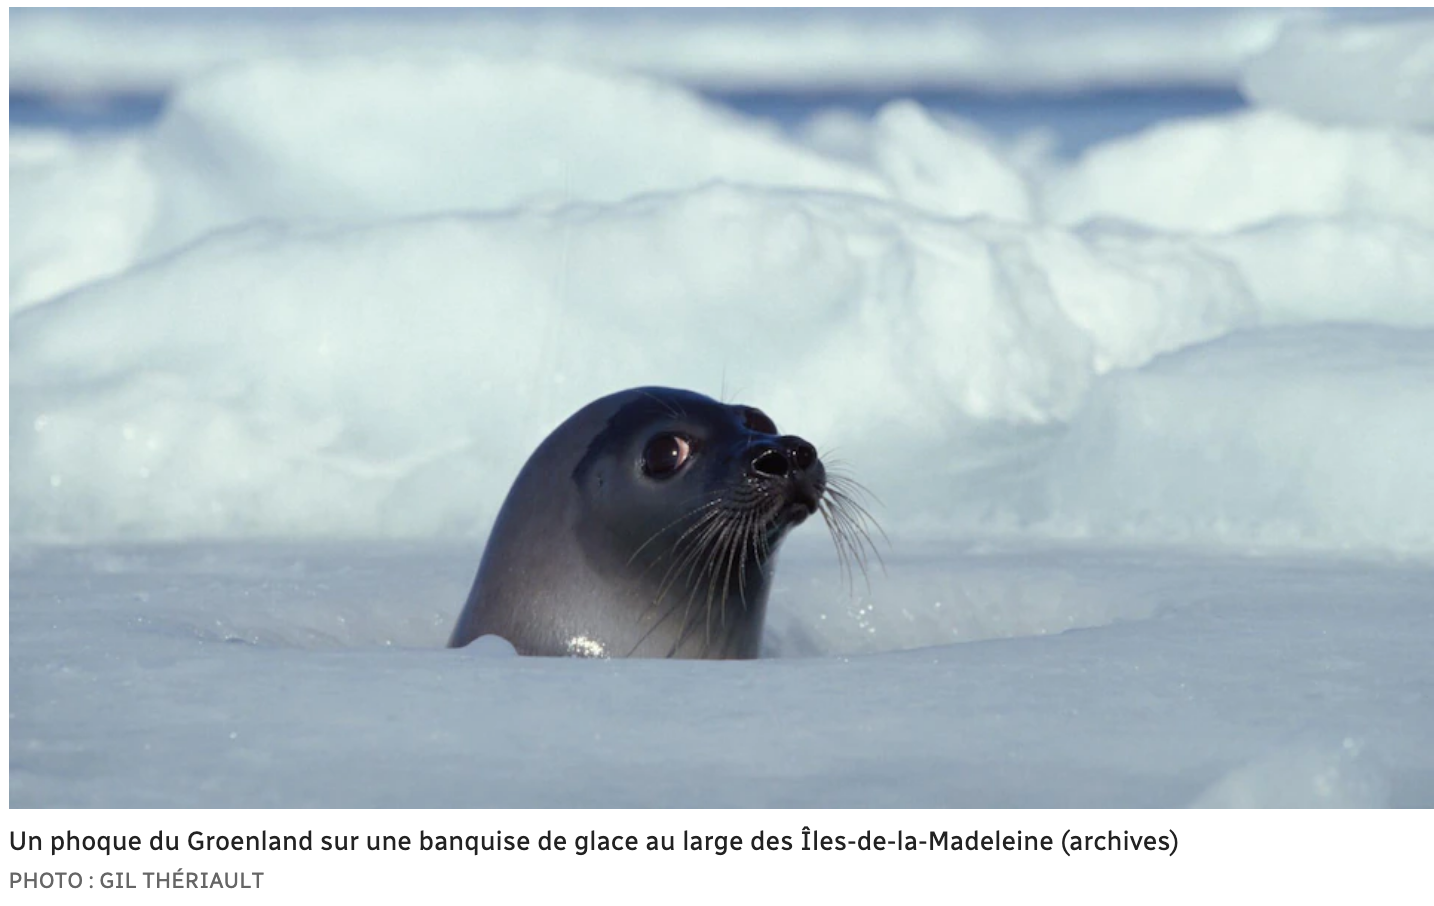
{"points": [[770, 462], [804, 455]]}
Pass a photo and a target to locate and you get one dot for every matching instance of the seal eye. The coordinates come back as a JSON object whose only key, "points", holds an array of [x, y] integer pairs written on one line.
{"points": [[665, 454], [756, 420]]}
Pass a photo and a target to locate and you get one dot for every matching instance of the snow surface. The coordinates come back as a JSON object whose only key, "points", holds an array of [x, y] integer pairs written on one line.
{"points": [[1148, 430], [306, 675]]}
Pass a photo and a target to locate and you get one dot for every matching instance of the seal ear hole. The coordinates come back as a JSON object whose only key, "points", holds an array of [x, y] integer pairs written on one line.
{"points": [[757, 420], [665, 454]]}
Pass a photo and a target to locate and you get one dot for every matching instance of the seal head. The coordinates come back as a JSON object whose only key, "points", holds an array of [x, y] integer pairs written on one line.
{"points": [[646, 525]]}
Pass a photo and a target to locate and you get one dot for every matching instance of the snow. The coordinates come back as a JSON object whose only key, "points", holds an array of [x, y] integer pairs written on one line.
{"points": [[259, 407], [1224, 173], [1368, 269], [293, 675], [1349, 73], [76, 51], [506, 136], [1147, 427], [1311, 435], [946, 167], [98, 194]]}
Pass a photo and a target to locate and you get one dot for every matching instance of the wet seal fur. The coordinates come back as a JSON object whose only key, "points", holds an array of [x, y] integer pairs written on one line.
{"points": [[647, 525]]}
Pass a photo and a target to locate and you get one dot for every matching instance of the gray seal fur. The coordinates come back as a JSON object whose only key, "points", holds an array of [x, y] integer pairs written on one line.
{"points": [[646, 525]]}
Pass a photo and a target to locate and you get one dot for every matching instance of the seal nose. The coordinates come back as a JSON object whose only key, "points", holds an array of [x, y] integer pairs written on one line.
{"points": [[790, 464], [794, 463], [789, 455]]}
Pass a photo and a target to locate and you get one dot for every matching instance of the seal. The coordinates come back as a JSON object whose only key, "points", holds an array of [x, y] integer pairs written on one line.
{"points": [[646, 525]]}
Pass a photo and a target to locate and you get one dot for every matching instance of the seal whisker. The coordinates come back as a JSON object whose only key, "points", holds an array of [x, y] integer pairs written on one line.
{"points": [[688, 551], [752, 529], [847, 522], [857, 536], [838, 542], [737, 563], [851, 487], [694, 553], [851, 536], [685, 543], [689, 544], [725, 562], [843, 501], [690, 559], [715, 499], [708, 549]]}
